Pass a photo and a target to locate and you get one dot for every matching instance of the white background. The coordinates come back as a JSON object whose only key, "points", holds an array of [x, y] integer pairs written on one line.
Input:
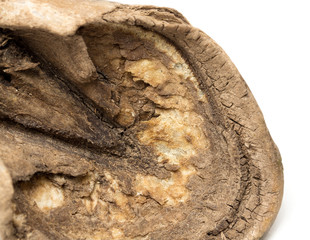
{"points": [[269, 42]]}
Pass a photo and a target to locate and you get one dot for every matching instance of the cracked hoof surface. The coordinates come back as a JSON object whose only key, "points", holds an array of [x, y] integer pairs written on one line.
{"points": [[127, 123]]}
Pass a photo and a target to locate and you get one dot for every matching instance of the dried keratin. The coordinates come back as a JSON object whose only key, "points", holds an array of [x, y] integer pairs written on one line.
{"points": [[125, 122]]}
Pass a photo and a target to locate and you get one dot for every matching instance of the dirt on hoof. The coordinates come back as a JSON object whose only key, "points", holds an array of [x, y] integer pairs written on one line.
{"points": [[125, 122]]}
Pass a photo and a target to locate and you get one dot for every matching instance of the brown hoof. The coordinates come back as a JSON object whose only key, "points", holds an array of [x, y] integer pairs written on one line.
{"points": [[125, 122]]}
